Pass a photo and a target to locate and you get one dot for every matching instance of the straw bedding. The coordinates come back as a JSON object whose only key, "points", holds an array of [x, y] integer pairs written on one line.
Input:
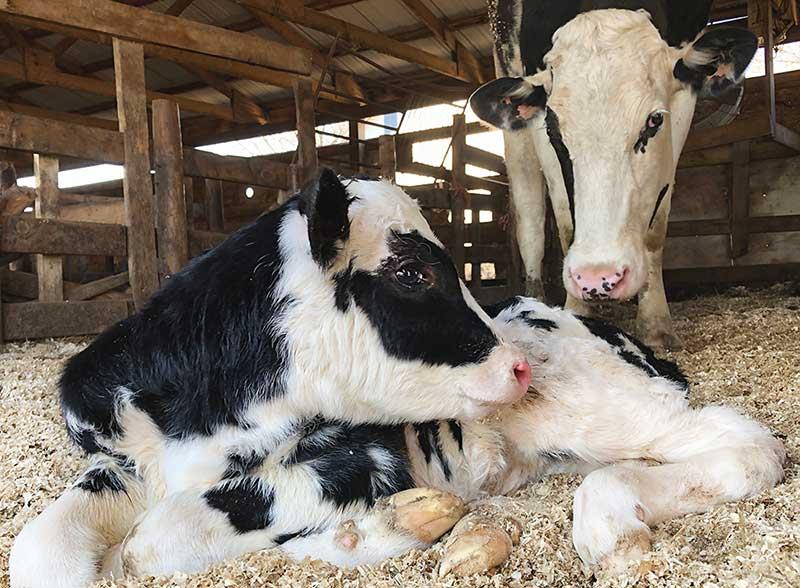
{"points": [[741, 348]]}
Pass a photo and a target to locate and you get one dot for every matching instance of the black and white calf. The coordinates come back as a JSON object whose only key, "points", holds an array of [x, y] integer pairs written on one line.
{"points": [[596, 99], [600, 403], [201, 413]]}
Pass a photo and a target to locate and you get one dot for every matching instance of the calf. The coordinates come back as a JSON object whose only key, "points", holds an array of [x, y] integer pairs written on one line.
{"points": [[596, 98], [198, 412]]}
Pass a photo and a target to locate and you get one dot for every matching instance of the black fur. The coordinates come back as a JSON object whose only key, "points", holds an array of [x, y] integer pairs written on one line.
{"points": [[456, 432], [340, 455], [402, 316], [730, 46], [325, 203], [242, 465], [661, 195], [430, 442], [651, 365], [564, 159], [492, 103], [495, 309], [540, 323], [100, 479], [246, 501]]}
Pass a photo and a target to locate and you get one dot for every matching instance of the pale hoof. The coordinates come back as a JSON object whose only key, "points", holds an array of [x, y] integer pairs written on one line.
{"points": [[347, 536], [426, 513], [632, 546], [477, 549], [662, 341]]}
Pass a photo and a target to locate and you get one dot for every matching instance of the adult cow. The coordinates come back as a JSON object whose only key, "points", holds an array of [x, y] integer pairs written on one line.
{"points": [[597, 97]]}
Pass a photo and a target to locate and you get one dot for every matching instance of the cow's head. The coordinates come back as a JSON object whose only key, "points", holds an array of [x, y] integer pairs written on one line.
{"points": [[381, 322], [610, 114]]}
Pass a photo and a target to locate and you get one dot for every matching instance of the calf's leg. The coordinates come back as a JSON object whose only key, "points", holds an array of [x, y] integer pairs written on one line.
{"points": [[716, 455], [63, 546]]}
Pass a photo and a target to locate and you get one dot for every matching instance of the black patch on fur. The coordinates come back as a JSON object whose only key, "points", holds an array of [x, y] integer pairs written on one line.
{"points": [[98, 479], [242, 465], [281, 539], [342, 283], [730, 46], [340, 455], [560, 455], [430, 442], [564, 159], [246, 502], [650, 364], [545, 324], [456, 432], [403, 316], [661, 195], [199, 352], [325, 202], [493, 310]]}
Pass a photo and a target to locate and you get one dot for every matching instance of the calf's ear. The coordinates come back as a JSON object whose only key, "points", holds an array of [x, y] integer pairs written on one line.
{"points": [[324, 201], [717, 60], [508, 103]]}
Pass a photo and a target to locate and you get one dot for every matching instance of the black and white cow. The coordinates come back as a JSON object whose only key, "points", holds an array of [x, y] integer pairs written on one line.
{"points": [[596, 99], [198, 413]]}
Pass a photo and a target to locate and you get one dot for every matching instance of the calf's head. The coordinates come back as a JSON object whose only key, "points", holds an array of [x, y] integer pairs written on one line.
{"points": [[610, 114], [382, 327]]}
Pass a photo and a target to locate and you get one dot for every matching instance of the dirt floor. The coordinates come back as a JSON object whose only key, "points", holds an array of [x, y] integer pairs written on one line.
{"points": [[741, 348]]}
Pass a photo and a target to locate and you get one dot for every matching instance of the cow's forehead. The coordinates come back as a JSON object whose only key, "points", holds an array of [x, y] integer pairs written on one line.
{"points": [[608, 62], [382, 207]]}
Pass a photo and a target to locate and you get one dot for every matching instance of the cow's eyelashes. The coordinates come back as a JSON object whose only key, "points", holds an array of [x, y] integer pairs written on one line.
{"points": [[410, 277], [654, 123]]}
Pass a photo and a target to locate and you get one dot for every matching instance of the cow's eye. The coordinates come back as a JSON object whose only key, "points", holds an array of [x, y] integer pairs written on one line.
{"points": [[410, 277], [655, 120]]}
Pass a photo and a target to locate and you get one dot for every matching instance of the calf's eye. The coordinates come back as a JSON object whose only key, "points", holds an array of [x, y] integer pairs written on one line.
{"points": [[409, 277]]}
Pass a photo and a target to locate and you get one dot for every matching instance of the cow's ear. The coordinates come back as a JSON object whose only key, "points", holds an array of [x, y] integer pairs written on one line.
{"points": [[716, 61], [508, 103], [325, 202]]}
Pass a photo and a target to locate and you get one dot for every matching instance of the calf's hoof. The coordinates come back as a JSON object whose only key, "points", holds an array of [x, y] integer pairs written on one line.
{"points": [[661, 340], [475, 547], [426, 513], [347, 536]]}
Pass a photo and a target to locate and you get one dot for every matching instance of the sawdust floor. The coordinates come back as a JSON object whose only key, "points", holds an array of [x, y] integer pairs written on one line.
{"points": [[741, 348]]}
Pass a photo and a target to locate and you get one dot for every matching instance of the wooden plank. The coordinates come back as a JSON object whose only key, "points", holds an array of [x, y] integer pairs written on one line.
{"points": [[459, 195], [731, 275], [48, 267], [137, 183], [356, 36], [701, 193], [770, 248], [108, 211], [215, 214], [259, 171], [86, 121], [38, 320], [485, 160], [774, 187], [24, 234], [172, 234], [306, 131], [58, 138], [740, 198], [387, 155], [97, 287], [699, 251], [738, 130], [126, 22]]}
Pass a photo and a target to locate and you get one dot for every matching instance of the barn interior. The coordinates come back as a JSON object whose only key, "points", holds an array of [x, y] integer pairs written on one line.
{"points": [[136, 134]]}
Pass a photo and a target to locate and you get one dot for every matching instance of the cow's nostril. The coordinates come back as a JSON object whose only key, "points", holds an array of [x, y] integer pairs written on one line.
{"points": [[522, 372]]}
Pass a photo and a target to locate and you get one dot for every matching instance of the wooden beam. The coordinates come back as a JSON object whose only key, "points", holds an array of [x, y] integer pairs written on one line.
{"points": [[51, 137], [740, 198], [144, 26], [53, 77], [87, 121], [215, 212], [177, 7], [259, 171], [48, 267], [356, 36], [243, 108], [458, 195], [137, 183], [306, 130], [96, 288], [25, 234], [172, 234], [387, 155], [38, 320]]}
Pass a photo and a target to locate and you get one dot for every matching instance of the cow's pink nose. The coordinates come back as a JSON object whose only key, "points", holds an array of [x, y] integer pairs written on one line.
{"points": [[598, 283], [522, 371]]}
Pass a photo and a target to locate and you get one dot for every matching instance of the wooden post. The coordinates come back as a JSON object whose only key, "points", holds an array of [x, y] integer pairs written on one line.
{"points": [[188, 190], [1, 311], [387, 155], [137, 183], [458, 193], [215, 213], [172, 235], [740, 198], [49, 267], [306, 132]]}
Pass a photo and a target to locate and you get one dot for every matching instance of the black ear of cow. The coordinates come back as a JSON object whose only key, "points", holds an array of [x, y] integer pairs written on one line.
{"points": [[717, 60], [324, 201], [508, 103]]}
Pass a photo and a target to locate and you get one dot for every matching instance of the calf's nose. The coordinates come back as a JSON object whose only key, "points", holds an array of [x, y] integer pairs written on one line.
{"points": [[598, 283], [522, 372]]}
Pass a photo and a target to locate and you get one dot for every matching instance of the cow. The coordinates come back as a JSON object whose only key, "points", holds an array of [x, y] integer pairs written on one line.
{"points": [[342, 306], [595, 99]]}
